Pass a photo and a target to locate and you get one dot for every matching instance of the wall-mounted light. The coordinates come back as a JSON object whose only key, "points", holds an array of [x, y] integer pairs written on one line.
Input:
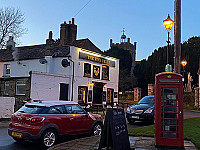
{"points": [[105, 86], [90, 84]]}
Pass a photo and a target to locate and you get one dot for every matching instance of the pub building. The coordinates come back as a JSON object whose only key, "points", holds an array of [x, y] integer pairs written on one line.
{"points": [[63, 69]]}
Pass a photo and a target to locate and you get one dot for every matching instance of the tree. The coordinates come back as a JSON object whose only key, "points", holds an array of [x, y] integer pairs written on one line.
{"points": [[11, 20]]}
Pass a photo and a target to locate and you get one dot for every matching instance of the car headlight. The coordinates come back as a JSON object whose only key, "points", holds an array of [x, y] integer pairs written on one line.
{"points": [[128, 110], [148, 111]]}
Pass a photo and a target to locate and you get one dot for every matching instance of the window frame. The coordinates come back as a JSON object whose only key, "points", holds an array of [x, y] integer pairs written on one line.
{"points": [[81, 94], [7, 70], [22, 84], [94, 75], [108, 72], [6, 87], [87, 74]]}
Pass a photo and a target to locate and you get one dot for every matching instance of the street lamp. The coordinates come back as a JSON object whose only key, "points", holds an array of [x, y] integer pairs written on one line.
{"points": [[184, 63], [168, 23]]}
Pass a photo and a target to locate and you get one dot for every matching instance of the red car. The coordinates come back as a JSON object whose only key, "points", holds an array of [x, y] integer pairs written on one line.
{"points": [[44, 121]]}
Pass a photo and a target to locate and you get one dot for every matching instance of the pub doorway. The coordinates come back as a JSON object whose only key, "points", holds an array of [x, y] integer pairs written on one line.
{"points": [[97, 92]]}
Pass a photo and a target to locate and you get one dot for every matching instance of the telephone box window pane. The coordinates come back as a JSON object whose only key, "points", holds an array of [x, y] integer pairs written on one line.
{"points": [[170, 109], [170, 128], [169, 135], [170, 122], [169, 80], [169, 115], [87, 70], [169, 103]]}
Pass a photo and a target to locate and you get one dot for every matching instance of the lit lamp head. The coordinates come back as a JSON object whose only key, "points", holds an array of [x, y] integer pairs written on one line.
{"points": [[183, 63], [168, 23]]}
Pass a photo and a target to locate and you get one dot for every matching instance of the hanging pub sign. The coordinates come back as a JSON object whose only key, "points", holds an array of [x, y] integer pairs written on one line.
{"points": [[96, 72], [96, 59]]}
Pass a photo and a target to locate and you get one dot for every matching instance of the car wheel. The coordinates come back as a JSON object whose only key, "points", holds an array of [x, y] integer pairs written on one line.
{"points": [[48, 138], [97, 129], [131, 121]]}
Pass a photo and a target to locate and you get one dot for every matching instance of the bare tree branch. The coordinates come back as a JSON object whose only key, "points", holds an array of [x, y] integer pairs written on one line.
{"points": [[11, 24]]}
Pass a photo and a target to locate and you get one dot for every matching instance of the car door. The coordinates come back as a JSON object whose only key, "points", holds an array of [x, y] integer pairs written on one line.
{"points": [[57, 115], [80, 121]]}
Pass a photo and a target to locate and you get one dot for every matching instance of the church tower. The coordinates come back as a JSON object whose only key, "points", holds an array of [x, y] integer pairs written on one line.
{"points": [[126, 45]]}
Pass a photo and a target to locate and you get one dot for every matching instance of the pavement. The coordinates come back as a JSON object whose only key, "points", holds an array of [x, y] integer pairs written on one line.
{"points": [[136, 143]]}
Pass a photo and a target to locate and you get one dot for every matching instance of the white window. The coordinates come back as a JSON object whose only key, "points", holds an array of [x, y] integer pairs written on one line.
{"points": [[6, 69], [20, 88], [6, 87]]}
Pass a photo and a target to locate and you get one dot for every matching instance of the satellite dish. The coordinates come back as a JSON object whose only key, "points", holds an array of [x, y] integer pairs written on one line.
{"points": [[43, 61], [65, 63]]}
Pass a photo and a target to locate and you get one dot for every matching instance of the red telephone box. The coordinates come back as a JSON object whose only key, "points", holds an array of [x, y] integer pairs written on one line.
{"points": [[169, 110]]}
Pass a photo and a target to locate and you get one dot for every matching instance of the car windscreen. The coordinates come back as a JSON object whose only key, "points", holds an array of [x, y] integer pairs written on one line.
{"points": [[32, 109], [147, 100]]}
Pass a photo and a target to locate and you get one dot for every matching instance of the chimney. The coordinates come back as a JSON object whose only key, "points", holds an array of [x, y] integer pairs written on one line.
{"points": [[68, 33], [128, 40], [10, 43], [135, 45], [111, 43], [49, 44], [50, 35]]}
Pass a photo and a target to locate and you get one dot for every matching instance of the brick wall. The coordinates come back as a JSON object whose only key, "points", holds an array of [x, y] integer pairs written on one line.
{"points": [[12, 91]]}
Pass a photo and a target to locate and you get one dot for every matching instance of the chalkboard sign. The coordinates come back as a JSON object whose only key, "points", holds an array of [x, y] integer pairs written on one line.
{"points": [[115, 132]]}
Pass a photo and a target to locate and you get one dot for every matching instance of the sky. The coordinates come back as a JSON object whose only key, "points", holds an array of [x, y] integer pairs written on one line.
{"points": [[102, 20]]}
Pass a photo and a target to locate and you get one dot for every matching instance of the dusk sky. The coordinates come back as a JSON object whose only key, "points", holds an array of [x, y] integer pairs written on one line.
{"points": [[101, 20]]}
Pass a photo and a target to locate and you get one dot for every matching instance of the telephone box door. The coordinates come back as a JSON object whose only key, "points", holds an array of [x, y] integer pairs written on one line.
{"points": [[169, 110]]}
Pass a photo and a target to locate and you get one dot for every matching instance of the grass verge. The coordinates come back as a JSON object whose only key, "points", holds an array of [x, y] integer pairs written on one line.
{"points": [[191, 131]]}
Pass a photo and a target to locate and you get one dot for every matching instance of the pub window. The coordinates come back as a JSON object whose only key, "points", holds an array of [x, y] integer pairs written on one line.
{"points": [[6, 87], [82, 94], [20, 88], [96, 72], [105, 72], [87, 70], [6, 69]]}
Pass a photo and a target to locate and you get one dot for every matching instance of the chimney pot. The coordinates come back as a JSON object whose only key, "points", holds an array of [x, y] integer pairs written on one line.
{"points": [[73, 21], [65, 22], [69, 22], [50, 34]]}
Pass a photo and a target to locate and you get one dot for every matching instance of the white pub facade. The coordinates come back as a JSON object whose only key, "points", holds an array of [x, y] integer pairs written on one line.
{"points": [[63, 69]]}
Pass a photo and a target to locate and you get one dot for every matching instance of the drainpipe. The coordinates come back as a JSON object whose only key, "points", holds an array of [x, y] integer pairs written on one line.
{"points": [[72, 78]]}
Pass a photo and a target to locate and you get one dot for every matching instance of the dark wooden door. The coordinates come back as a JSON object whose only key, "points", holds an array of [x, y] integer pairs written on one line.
{"points": [[64, 91]]}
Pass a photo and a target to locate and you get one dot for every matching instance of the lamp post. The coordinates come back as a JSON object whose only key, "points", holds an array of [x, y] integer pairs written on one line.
{"points": [[168, 23], [184, 63]]}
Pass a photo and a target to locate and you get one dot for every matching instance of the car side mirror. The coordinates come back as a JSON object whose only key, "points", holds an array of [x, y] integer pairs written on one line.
{"points": [[87, 114]]}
